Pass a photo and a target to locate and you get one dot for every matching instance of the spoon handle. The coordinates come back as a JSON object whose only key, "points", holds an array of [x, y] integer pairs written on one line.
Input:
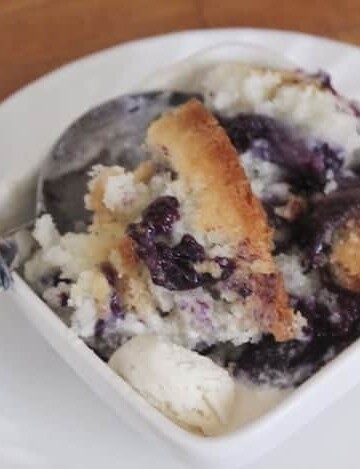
{"points": [[8, 251]]}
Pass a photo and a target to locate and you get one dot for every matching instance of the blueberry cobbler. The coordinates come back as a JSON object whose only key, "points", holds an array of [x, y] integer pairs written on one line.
{"points": [[239, 237]]}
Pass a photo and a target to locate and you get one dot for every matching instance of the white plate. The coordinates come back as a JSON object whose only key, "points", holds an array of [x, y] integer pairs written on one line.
{"points": [[32, 119]]}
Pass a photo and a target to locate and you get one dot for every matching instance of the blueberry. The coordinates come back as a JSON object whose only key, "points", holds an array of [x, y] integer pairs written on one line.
{"points": [[161, 214], [172, 267], [330, 157], [169, 269], [64, 298], [325, 217], [99, 328], [158, 219], [189, 249], [227, 266], [244, 291]]}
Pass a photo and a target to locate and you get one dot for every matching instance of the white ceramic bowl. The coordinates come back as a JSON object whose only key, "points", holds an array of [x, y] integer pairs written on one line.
{"points": [[39, 114]]}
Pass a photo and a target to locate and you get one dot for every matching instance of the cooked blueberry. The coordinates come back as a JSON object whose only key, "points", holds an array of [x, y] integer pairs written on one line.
{"points": [[99, 328], [172, 267], [158, 219], [273, 141], [244, 291], [325, 217], [291, 363], [348, 315], [141, 233], [331, 158], [189, 249], [169, 269], [161, 214], [279, 363], [227, 266], [64, 298]]}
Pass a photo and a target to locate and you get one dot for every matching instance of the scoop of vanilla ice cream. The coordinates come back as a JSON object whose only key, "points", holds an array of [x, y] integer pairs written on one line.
{"points": [[188, 388]]}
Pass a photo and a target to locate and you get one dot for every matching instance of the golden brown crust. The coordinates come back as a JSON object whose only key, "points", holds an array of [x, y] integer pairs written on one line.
{"points": [[134, 290], [200, 152], [94, 199], [126, 247], [282, 325], [144, 172], [345, 256]]}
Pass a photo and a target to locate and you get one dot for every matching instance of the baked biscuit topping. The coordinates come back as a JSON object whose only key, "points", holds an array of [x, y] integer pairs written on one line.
{"points": [[225, 211]]}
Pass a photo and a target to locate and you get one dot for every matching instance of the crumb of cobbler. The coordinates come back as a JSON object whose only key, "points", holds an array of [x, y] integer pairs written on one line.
{"points": [[345, 257]]}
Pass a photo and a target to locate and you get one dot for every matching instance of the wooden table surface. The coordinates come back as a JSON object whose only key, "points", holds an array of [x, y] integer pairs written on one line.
{"points": [[37, 36]]}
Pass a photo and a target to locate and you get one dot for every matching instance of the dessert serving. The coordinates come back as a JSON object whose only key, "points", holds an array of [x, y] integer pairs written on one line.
{"points": [[230, 255]]}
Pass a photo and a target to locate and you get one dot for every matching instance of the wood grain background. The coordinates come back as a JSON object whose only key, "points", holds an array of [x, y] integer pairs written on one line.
{"points": [[37, 36]]}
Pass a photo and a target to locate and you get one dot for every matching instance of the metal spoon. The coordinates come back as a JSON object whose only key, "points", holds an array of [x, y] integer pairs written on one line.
{"points": [[110, 134]]}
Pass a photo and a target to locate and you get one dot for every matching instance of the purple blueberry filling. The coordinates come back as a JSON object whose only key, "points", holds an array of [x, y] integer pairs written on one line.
{"points": [[272, 141], [244, 291], [286, 364], [324, 217], [329, 329], [160, 215], [331, 326], [64, 298], [291, 363], [99, 327], [172, 267], [305, 165]]}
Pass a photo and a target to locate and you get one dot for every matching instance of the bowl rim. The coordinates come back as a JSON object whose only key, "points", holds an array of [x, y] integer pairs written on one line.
{"points": [[206, 445]]}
